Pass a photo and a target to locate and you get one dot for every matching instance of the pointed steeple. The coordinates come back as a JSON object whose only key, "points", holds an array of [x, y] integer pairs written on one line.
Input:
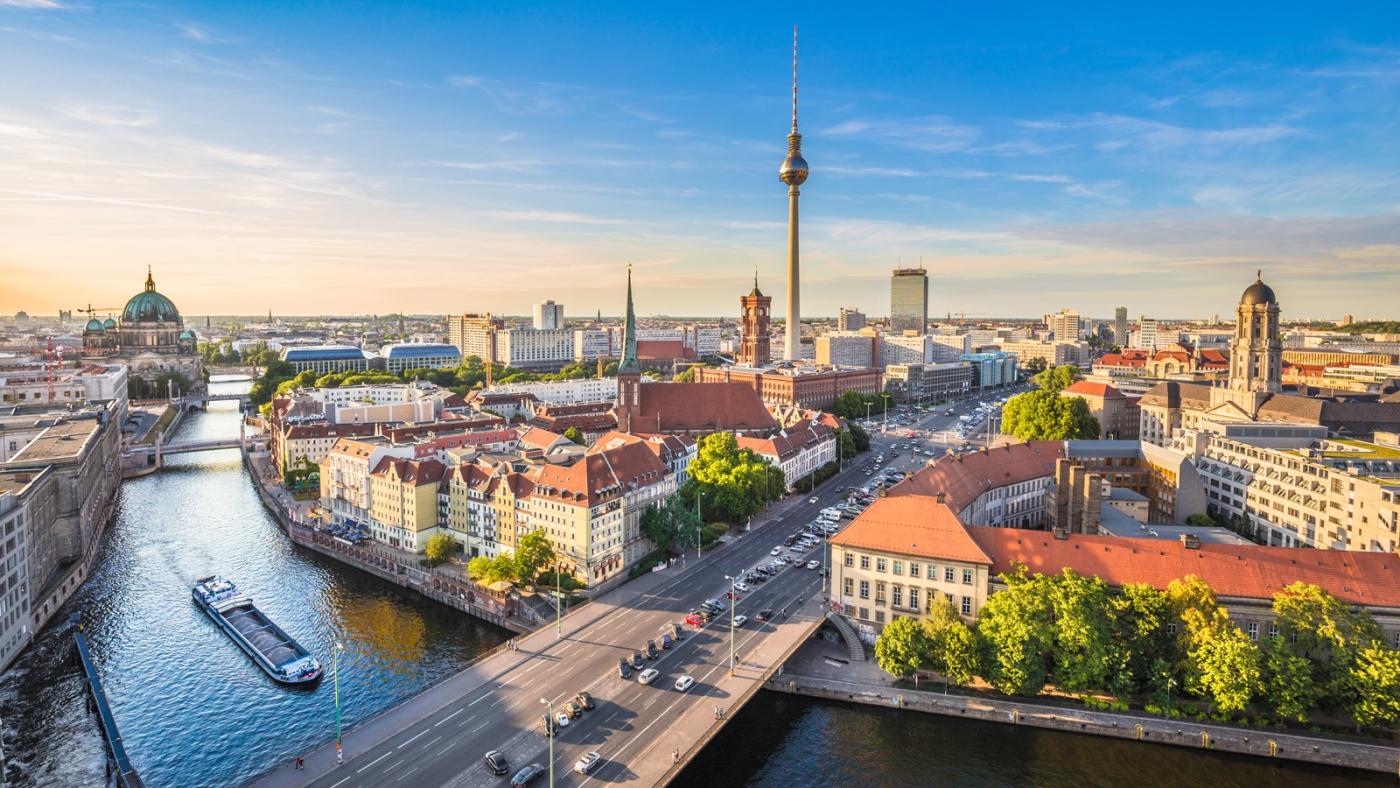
{"points": [[629, 364], [150, 281], [755, 291]]}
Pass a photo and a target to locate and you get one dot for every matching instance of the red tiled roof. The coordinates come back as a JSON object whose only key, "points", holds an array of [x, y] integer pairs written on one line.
{"points": [[662, 349], [1086, 389], [1122, 360], [702, 407], [539, 438], [414, 472], [306, 431], [602, 475], [1240, 571], [1214, 356], [911, 525], [964, 477]]}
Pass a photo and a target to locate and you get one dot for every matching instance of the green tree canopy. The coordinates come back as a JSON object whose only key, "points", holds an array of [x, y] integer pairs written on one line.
{"points": [[1043, 415], [1375, 677], [1228, 666], [670, 525], [1056, 379], [1287, 681], [902, 647], [575, 435], [859, 436], [493, 570], [1321, 629], [1016, 629], [533, 552], [1083, 632], [732, 483], [439, 548]]}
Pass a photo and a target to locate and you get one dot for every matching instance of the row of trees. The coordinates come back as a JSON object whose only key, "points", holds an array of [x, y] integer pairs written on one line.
{"points": [[1044, 415], [532, 554], [1077, 634], [223, 354], [851, 404]]}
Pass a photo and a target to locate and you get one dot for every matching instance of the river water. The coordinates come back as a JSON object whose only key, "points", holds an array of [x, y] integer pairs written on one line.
{"points": [[195, 711]]}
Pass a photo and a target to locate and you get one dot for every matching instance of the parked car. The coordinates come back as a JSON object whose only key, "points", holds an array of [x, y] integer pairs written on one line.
{"points": [[524, 776], [739, 621], [496, 762], [684, 683], [648, 676], [741, 588], [636, 660], [549, 726], [779, 550], [719, 606], [624, 668], [665, 640], [584, 701], [573, 710], [694, 620], [813, 499], [651, 651], [813, 564], [588, 762]]}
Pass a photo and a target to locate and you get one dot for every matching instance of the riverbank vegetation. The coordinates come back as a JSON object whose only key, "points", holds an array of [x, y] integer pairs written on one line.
{"points": [[1174, 652]]}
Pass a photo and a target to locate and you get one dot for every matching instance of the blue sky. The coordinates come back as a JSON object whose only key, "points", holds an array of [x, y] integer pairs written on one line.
{"points": [[342, 157]]}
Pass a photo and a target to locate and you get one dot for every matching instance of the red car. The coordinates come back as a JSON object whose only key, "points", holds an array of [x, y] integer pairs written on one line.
{"points": [[694, 620], [731, 595]]}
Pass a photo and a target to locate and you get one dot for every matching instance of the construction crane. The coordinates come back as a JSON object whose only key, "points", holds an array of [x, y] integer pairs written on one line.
{"points": [[92, 310]]}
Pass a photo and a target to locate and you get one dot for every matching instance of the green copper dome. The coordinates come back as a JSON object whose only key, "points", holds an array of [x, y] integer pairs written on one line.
{"points": [[93, 325], [150, 307], [109, 323]]}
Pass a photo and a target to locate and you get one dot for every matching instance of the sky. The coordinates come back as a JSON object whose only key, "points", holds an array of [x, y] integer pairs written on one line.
{"points": [[352, 158]]}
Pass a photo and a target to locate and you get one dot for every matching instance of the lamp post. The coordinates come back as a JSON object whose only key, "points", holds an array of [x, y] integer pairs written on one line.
{"points": [[733, 602], [1171, 682], [699, 494], [868, 405], [335, 678], [548, 727]]}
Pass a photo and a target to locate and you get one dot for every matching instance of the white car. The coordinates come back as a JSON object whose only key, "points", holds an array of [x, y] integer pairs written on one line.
{"points": [[684, 683], [813, 499], [813, 564], [741, 587], [648, 676], [776, 551], [739, 621], [587, 763], [561, 719]]}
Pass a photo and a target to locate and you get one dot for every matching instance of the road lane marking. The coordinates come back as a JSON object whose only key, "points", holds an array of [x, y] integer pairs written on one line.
{"points": [[480, 699], [405, 744], [405, 775], [482, 725], [429, 742], [343, 779], [444, 750], [373, 762], [393, 766], [448, 717]]}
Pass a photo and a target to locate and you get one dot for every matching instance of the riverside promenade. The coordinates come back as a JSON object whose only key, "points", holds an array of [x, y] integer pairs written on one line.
{"points": [[821, 669]]}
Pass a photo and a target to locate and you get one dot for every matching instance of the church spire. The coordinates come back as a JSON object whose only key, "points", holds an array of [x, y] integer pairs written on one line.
{"points": [[629, 364], [150, 281]]}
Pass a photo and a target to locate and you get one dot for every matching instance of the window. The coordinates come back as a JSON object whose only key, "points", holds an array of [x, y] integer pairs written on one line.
{"points": [[879, 593], [967, 577], [950, 598], [865, 613], [967, 605], [914, 602], [850, 586], [865, 562], [899, 567], [1254, 630], [850, 559], [864, 590], [880, 564], [1273, 631], [879, 616], [913, 569], [948, 574], [1171, 628], [897, 596]]}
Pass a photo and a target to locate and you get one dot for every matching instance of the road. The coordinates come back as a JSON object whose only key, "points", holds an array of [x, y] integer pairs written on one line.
{"points": [[503, 710]]}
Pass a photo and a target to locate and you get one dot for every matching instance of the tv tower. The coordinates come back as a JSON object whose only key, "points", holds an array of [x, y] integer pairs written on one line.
{"points": [[794, 174]]}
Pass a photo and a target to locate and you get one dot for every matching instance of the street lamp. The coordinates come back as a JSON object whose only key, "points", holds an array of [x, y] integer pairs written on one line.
{"points": [[548, 726], [699, 494], [733, 602], [335, 677]]}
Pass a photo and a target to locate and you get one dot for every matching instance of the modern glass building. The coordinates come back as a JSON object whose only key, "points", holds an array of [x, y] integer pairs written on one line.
{"points": [[909, 300]]}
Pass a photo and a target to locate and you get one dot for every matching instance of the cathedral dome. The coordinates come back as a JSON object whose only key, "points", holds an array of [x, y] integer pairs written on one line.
{"points": [[149, 306], [1258, 293], [109, 323], [93, 325]]}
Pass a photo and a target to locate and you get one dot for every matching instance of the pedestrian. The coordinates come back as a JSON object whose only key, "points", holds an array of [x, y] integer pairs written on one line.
{"points": [[300, 763], [675, 756]]}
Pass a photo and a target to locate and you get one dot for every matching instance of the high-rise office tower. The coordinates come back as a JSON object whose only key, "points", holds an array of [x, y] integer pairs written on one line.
{"points": [[1120, 326], [850, 319], [1066, 325], [549, 316], [754, 311], [794, 174], [909, 300]]}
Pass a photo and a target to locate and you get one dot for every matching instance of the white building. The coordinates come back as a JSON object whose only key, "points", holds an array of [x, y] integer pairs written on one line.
{"points": [[798, 450], [595, 343], [16, 629], [527, 348], [564, 392], [548, 316], [404, 356]]}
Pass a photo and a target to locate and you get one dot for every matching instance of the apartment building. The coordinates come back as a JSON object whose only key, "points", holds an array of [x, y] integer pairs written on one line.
{"points": [[799, 450], [403, 501]]}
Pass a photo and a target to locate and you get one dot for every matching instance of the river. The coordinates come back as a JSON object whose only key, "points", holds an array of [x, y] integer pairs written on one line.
{"points": [[194, 711]]}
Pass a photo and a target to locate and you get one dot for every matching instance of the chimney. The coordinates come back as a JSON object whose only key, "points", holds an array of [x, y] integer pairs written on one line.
{"points": [[1060, 532], [1191, 541], [941, 498]]}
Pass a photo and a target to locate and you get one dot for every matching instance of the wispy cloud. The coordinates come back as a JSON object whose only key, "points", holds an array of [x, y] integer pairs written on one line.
{"points": [[519, 97], [1120, 132], [196, 32], [42, 5], [552, 217], [112, 116], [932, 134], [482, 166], [54, 197]]}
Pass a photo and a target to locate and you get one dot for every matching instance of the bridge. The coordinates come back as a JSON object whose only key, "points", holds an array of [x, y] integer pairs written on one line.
{"points": [[191, 401], [645, 733]]}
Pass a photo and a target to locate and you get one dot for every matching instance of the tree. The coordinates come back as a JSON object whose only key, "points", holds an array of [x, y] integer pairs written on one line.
{"points": [[670, 525], [575, 435], [961, 662], [688, 374], [846, 444], [1200, 520], [1056, 379], [850, 404], [940, 619], [1034, 365], [1320, 628], [493, 570], [902, 647], [1288, 683], [439, 548], [1015, 628], [1083, 644], [1199, 618], [1044, 415], [1375, 677], [1142, 647], [533, 552], [733, 483], [1229, 668], [859, 436]]}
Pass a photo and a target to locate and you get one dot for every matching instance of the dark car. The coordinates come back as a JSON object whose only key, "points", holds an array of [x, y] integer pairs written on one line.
{"points": [[624, 668], [703, 613], [764, 614], [636, 660], [497, 763], [549, 725], [584, 701], [651, 652], [524, 776], [573, 710]]}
